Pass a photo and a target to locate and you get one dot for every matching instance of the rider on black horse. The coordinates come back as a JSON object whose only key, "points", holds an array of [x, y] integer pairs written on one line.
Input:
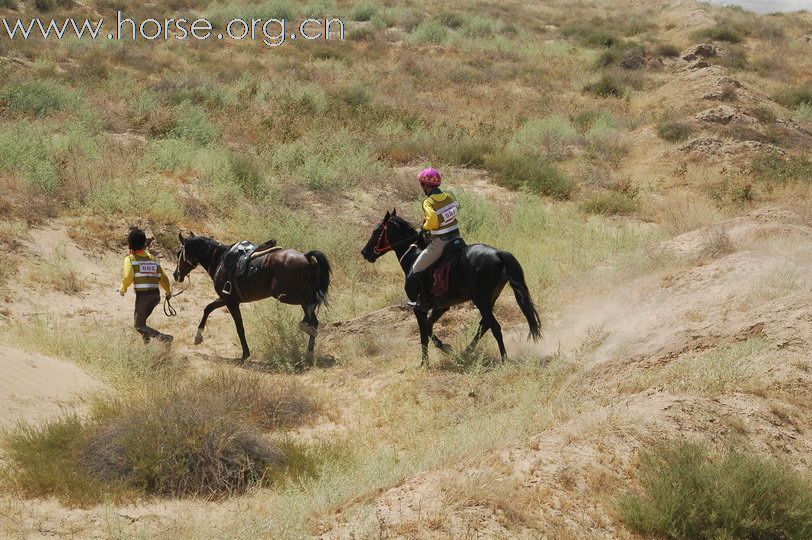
{"points": [[440, 225]]}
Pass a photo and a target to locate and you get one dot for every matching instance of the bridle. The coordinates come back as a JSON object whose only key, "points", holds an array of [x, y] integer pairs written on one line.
{"points": [[384, 245]]}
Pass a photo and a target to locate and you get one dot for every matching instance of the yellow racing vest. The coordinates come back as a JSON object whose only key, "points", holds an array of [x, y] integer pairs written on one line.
{"points": [[441, 213], [146, 272]]}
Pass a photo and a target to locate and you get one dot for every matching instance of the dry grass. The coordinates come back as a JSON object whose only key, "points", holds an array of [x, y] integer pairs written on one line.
{"points": [[58, 272], [203, 437]]}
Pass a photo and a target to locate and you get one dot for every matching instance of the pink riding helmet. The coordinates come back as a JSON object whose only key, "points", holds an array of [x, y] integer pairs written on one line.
{"points": [[430, 177]]}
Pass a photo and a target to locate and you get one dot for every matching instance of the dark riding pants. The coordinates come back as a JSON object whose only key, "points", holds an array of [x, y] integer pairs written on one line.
{"points": [[145, 302]]}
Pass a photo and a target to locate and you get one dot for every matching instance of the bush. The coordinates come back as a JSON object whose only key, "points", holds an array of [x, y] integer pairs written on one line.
{"points": [[610, 202], [592, 34], [25, 152], [734, 58], [687, 493], [9, 4], [517, 171], [633, 58], [774, 168], [50, 5], [202, 437], [363, 11], [803, 114], [607, 86], [430, 31], [795, 97], [673, 130], [39, 97], [721, 32], [192, 124], [605, 140], [668, 50], [551, 135], [326, 162]]}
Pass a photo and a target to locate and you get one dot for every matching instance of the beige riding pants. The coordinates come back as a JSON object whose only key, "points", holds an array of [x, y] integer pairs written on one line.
{"points": [[431, 254]]}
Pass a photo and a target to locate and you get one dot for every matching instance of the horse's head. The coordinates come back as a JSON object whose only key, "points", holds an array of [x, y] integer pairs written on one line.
{"points": [[389, 233], [187, 257]]}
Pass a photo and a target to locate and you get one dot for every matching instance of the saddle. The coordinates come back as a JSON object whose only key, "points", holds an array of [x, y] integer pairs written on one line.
{"points": [[236, 261], [440, 272]]}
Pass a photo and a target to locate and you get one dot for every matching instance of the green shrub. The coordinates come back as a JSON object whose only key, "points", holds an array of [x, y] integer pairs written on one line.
{"points": [[592, 34], [363, 11], [721, 32], [518, 171], [607, 86], [477, 26], [192, 124], [430, 31], [451, 19], [551, 135], [673, 130], [147, 198], [803, 113], [220, 14], [775, 168], [39, 97], [605, 140], [467, 152], [610, 202], [319, 9], [26, 153], [326, 162], [688, 493], [795, 97], [9, 4]]}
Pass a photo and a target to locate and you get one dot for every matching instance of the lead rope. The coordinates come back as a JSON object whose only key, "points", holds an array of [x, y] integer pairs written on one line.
{"points": [[170, 311]]}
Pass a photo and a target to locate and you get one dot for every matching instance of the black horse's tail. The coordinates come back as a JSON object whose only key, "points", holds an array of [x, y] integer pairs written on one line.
{"points": [[515, 276], [323, 271]]}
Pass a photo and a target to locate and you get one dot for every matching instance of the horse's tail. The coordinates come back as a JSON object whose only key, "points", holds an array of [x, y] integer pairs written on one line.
{"points": [[323, 271], [515, 276]]}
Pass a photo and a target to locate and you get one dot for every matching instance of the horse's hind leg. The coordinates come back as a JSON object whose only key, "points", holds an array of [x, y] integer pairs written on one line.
{"points": [[433, 318], [496, 330], [310, 326], [206, 312], [234, 309]]}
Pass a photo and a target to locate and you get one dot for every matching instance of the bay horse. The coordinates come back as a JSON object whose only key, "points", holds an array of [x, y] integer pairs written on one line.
{"points": [[478, 274], [290, 276]]}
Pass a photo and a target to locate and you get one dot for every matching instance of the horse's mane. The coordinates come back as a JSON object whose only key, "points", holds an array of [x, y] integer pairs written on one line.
{"points": [[403, 222]]}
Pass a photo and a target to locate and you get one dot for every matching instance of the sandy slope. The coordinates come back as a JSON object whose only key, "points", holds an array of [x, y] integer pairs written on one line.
{"points": [[35, 387], [636, 343]]}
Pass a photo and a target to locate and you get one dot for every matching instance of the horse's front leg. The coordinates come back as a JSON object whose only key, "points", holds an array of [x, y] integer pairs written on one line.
{"points": [[425, 331], [234, 309], [433, 318], [206, 312]]}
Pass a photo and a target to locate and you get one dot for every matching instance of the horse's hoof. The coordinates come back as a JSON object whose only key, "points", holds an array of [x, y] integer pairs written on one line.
{"points": [[198, 339]]}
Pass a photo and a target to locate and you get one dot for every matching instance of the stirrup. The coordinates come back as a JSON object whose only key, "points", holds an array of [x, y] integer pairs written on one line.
{"points": [[227, 288]]}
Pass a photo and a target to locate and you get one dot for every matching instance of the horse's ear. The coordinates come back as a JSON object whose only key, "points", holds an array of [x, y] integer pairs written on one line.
{"points": [[181, 238], [150, 240], [387, 216], [394, 211], [191, 234]]}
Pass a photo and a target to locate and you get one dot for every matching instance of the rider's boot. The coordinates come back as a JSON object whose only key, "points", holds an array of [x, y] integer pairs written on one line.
{"points": [[416, 281]]}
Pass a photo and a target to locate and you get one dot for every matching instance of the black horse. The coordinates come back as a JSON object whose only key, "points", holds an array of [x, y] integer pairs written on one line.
{"points": [[290, 276], [478, 274]]}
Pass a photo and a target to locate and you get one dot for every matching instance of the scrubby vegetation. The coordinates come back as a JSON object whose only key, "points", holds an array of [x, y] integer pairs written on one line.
{"points": [[690, 493], [202, 437], [554, 124]]}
